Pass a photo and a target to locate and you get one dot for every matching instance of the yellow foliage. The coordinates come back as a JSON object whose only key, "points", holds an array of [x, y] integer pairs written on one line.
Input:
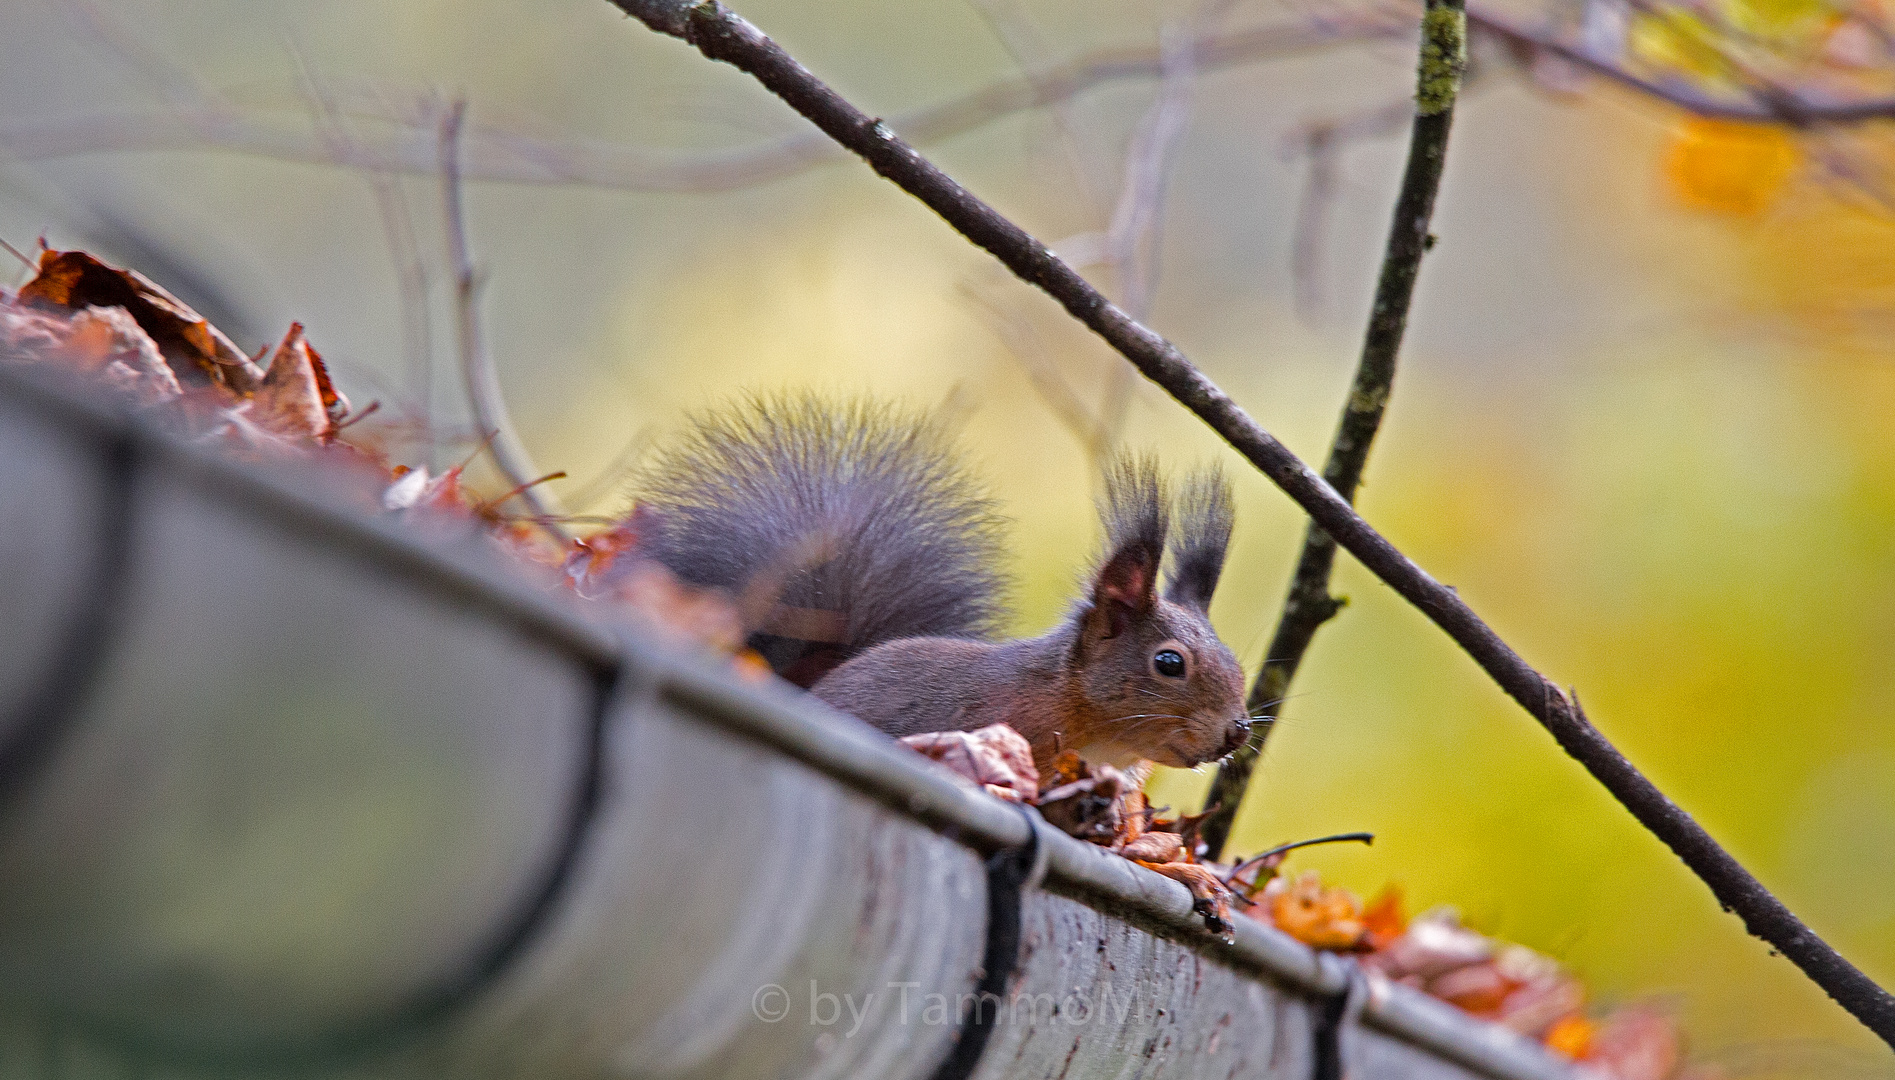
{"points": [[1729, 167]]}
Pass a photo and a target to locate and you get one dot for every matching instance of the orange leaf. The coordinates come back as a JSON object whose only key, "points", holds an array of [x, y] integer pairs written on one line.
{"points": [[1383, 920], [1729, 167], [1318, 917], [196, 352], [1570, 1036]]}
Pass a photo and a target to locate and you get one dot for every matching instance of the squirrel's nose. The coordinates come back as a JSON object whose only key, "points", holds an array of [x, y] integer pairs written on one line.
{"points": [[1240, 732]]}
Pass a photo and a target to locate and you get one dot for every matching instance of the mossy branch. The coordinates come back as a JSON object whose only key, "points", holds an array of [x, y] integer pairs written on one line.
{"points": [[1309, 605]]}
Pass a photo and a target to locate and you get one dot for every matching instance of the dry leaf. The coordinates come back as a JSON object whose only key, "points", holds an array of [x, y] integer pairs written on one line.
{"points": [[1382, 920], [1318, 917], [296, 401], [1434, 944], [1571, 1036], [995, 757], [589, 566], [195, 351], [1089, 801], [1154, 847], [1209, 896]]}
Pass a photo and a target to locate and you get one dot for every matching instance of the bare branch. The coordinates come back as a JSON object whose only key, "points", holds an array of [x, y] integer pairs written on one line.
{"points": [[404, 251], [722, 35], [1767, 104], [1029, 48], [1018, 337], [483, 383], [1134, 239], [1309, 605], [497, 154]]}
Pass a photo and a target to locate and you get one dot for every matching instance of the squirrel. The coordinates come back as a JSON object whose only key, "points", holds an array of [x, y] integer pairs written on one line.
{"points": [[875, 554]]}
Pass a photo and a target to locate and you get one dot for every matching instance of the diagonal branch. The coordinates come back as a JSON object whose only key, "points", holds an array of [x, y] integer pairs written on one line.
{"points": [[722, 35], [1443, 57]]}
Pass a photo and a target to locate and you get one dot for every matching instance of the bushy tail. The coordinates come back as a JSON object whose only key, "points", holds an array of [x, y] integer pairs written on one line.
{"points": [[840, 525]]}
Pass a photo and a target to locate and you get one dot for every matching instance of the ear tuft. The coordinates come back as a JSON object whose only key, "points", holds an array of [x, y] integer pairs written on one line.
{"points": [[1206, 517], [1134, 512]]}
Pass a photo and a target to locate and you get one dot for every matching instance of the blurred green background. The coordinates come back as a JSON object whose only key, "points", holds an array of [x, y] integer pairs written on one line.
{"points": [[1650, 442]]}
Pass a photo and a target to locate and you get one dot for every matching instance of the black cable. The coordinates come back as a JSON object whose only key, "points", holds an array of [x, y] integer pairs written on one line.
{"points": [[36, 723], [432, 1004], [1007, 873]]}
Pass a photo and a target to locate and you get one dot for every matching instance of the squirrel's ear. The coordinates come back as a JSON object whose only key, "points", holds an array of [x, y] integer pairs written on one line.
{"points": [[1122, 590], [1134, 513], [1197, 553]]}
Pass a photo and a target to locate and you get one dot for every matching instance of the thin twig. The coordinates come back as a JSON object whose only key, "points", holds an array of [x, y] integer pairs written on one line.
{"points": [[498, 154], [483, 383], [1134, 239], [1763, 106], [1029, 49], [1309, 605], [1284, 849], [722, 35], [1021, 341], [404, 252], [1319, 150]]}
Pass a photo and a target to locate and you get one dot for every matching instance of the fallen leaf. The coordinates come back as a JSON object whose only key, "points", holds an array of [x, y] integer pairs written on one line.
{"points": [[1636, 1043], [1154, 847], [1322, 918], [1091, 801], [589, 566], [295, 399], [1382, 919], [995, 757], [1434, 944], [197, 353], [1210, 898], [1571, 1036]]}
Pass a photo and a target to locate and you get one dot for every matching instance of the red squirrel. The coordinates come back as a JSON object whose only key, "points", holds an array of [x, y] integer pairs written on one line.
{"points": [[877, 553]]}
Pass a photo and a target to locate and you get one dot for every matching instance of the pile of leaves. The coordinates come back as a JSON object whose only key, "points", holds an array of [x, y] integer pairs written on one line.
{"points": [[116, 329], [1504, 983]]}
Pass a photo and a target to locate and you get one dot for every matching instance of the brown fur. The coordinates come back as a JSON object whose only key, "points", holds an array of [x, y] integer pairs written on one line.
{"points": [[1089, 684], [861, 519]]}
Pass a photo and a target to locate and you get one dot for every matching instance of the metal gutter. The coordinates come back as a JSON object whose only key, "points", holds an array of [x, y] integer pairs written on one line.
{"points": [[597, 790]]}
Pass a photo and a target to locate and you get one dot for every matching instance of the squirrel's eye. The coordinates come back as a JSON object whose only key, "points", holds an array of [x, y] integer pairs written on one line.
{"points": [[1169, 663]]}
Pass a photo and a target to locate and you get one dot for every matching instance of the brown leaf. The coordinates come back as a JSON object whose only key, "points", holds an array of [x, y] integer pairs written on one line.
{"points": [[996, 757], [197, 353], [1543, 992], [592, 561], [1209, 897], [1154, 847], [1092, 802], [109, 343], [296, 401]]}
